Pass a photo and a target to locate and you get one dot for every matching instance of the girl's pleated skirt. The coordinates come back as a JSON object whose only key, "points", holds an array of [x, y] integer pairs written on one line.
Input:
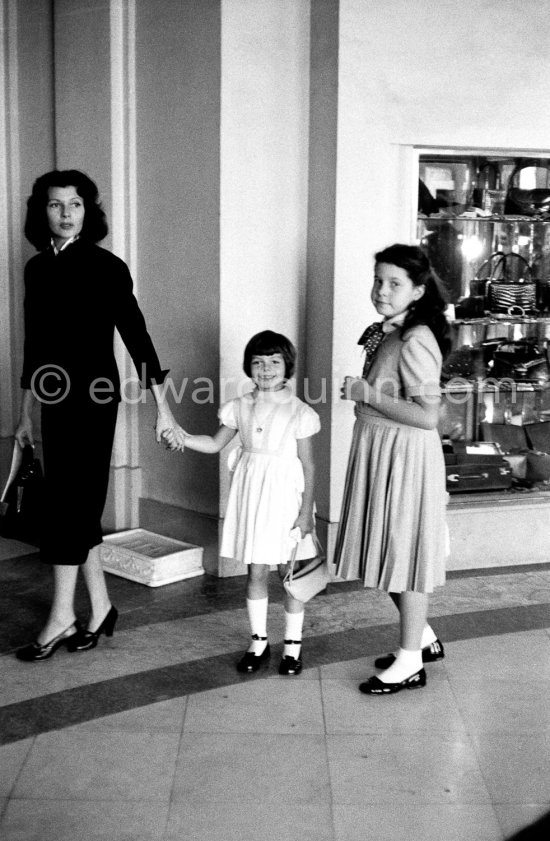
{"points": [[393, 532]]}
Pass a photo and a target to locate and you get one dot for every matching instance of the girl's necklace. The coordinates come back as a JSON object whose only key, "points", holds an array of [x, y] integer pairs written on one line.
{"points": [[260, 424], [256, 420]]}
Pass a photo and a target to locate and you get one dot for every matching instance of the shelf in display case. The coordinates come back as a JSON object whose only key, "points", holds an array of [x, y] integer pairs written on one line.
{"points": [[473, 204], [458, 246], [465, 404], [491, 220]]}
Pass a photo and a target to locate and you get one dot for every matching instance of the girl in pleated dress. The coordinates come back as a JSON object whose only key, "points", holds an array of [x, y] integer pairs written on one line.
{"points": [[392, 533], [271, 491]]}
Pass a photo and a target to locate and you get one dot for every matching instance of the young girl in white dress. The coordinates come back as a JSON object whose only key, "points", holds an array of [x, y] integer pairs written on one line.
{"points": [[392, 532], [271, 489]]}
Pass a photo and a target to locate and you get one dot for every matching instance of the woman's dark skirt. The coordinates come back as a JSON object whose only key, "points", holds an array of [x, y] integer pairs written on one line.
{"points": [[77, 441]]}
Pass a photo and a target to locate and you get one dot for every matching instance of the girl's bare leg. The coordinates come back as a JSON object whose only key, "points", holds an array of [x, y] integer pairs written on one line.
{"points": [[413, 611], [256, 604], [428, 633], [294, 622]]}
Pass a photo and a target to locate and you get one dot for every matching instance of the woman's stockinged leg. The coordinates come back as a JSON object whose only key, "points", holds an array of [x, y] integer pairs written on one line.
{"points": [[62, 613], [96, 585]]}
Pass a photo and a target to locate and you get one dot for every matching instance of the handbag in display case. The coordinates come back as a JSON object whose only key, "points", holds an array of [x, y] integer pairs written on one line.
{"points": [[522, 447], [476, 467], [520, 361], [509, 286]]}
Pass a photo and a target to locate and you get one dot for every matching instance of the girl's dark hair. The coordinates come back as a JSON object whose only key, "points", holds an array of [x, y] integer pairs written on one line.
{"points": [[37, 229], [267, 343], [430, 308]]}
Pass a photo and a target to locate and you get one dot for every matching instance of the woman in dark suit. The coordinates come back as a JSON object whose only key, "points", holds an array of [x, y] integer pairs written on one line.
{"points": [[76, 294]]}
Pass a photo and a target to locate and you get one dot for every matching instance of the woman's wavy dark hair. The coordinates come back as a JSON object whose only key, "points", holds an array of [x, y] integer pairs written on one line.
{"points": [[267, 343], [430, 308], [37, 229]]}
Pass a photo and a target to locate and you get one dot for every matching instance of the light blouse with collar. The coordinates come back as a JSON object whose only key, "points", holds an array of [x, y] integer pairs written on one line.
{"points": [[65, 245]]}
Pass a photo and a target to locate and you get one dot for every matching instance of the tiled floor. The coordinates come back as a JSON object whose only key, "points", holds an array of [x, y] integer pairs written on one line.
{"points": [[153, 736]]}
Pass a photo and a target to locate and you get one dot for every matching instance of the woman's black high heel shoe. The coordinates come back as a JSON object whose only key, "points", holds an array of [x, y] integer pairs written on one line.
{"points": [[35, 652], [85, 640]]}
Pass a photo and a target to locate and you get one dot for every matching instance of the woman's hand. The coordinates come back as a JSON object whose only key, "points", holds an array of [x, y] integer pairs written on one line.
{"points": [[355, 388], [164, 423], [24, 434], [174, 438]]}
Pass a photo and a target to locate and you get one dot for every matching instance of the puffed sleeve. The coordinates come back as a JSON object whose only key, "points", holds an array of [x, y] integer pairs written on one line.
{"points": [[420, 364], [228, 415], [130, 323], [308, 422]]}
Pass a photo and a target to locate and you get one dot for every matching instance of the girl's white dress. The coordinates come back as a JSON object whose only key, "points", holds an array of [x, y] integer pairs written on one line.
{"points": [[268, 480]]}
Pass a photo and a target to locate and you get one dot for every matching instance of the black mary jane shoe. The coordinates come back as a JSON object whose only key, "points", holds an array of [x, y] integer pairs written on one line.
{"points": [[432, 652], [375, 686], [251, 662], [35, 652], [86, 640], [291, 665]]}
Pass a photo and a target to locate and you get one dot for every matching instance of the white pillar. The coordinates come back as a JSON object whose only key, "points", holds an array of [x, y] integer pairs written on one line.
{"points": [[11, 261], [125, 471]]}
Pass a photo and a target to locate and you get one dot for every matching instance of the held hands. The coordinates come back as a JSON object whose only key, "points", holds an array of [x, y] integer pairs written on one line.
{"points": [[165, 422], [355, 388], [168, 432], [174, 438]]}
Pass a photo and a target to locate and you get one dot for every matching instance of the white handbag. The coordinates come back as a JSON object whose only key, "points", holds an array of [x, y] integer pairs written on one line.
{"points": [[311, 579]]}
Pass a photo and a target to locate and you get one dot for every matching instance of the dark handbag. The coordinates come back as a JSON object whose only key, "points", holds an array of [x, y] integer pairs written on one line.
{"points": [[523, 447], [21, 501], [469, 469], [522, 361], [311, 579], [509, 287], [533, 202]]}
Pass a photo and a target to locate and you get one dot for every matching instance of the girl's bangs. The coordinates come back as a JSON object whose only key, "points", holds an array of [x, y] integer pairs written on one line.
{"points": [[266, 349]]}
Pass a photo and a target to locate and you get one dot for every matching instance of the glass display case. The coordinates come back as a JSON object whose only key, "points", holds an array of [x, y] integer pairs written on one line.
{"points": [[484, 221]]}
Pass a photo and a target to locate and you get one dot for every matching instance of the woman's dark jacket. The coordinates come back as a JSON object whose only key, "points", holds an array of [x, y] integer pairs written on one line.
{"points": [[73, 302]]}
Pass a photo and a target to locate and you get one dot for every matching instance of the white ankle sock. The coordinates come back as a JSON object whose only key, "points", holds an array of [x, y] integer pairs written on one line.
{"points": [[257, 616], [406, 663], [294, 622], [428, 636]]}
